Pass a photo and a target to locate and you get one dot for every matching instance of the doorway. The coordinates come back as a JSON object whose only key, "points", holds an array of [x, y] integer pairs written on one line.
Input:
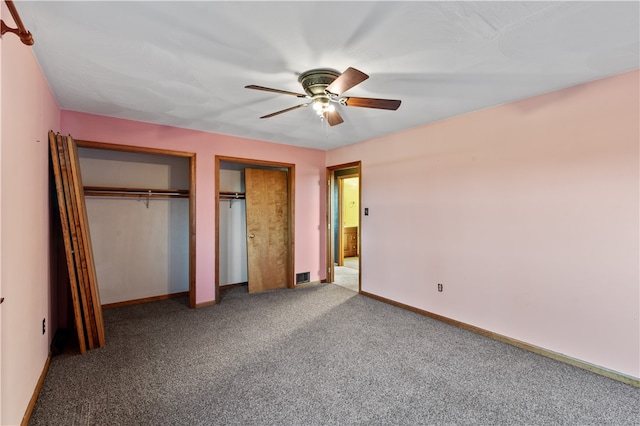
{"points": [[164, 219], [254, 224], [344, 231]]}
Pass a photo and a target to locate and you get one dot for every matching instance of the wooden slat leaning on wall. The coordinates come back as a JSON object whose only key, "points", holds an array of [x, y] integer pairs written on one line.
{"points": [[78, 194], [68, 245], [76, 241], [79, 255]]}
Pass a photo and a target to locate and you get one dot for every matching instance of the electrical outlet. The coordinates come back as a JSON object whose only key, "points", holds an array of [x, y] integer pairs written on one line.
{"points": [[440, 287], [44, 325]]}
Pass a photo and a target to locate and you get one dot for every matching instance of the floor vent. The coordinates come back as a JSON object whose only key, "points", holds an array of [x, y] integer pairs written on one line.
{"points": [[303, 277]]}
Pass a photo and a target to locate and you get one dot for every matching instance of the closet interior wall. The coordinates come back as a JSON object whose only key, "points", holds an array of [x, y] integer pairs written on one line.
{"points": [[232, 267], [140, 241]]}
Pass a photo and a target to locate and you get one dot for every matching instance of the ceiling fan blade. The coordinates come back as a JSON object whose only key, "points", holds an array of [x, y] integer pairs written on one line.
{"points": [[333, 117], [268, 89], [371, 103], [284, 110], [346, 81]]}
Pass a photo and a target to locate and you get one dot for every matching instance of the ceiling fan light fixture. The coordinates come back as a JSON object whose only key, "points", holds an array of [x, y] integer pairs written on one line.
{"points": [[322, 104], [325, 86], [321, 110]]}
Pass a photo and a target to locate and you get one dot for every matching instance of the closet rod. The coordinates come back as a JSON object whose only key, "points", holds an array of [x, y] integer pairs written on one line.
{"points": [[231, 196], [21, 31], [104, 191], [132, 195]]}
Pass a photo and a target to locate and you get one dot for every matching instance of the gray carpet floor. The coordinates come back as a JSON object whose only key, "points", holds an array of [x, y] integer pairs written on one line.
{"points": [[346, 277], [317, 355]]}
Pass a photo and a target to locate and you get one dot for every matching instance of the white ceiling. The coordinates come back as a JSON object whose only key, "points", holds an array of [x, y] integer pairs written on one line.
{"points": [[185, 64]]}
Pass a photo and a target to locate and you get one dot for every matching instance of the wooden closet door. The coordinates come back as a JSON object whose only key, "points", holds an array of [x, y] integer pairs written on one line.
{"points": [[267, 229]]}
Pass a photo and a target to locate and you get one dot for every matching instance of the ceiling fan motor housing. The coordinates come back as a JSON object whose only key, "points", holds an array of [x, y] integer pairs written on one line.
{"points": [[315, 81]]}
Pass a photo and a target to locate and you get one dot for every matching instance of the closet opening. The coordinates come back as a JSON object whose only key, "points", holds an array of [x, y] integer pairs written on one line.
{"points": [[141, 209], [254, 225]]}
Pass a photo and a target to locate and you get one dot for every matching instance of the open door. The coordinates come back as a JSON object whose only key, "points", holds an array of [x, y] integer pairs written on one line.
{"points": [[343, 238], [267, 209]]}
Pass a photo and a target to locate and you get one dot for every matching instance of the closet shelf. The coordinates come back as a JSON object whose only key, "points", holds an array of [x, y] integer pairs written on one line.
{"points": [[107, 191]]}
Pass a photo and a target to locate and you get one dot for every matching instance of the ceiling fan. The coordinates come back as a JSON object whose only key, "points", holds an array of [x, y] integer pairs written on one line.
{"points": [[324, 87]]}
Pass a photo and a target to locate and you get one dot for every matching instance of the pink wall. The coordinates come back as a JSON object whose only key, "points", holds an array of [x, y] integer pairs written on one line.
{"points": [[309, 193], [526, 212], [28, 112]]}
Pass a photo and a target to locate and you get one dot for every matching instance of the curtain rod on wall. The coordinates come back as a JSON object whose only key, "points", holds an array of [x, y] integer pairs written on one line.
{"points": [[25, 36]]}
